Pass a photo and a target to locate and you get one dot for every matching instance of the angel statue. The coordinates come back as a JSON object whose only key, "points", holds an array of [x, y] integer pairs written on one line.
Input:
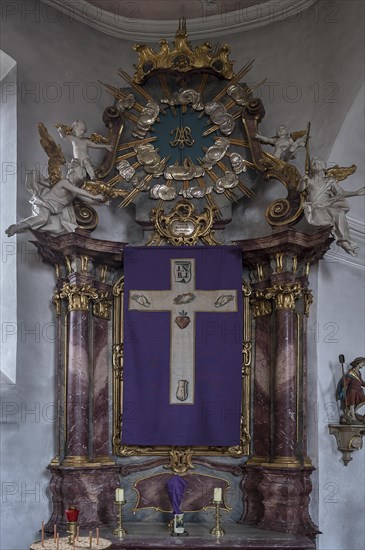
{"points": [[52, 208], [52, 197], [76, 134], [326, 202], [285, 144]]}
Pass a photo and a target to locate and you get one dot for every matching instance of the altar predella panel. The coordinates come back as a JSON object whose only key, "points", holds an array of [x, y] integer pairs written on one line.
{"points": [[183, 346]]}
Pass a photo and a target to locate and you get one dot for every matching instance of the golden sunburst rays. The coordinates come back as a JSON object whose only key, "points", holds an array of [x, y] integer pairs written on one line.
{"points": [[130, 144], [241, 186], [214, 177], [210, 200], [136, 191], [118, 94], [202, 84], [230, 104], [215, 127], [125, 150], [248, 91], [126, 156], [239, 142], [207, 197], [229, 193], [138, 88], [166, 91], [241, 73]]}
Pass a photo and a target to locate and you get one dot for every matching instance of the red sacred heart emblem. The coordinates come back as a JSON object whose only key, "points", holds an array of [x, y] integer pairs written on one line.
{"points": [[182, 320]]}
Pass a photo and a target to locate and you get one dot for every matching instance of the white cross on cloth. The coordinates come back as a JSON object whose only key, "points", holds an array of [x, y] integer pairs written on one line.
{"points": [[183, 301]]}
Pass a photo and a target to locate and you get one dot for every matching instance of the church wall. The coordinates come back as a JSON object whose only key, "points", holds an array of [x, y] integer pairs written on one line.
{"points": [[339, 329], [59, 62], [337, 326]]}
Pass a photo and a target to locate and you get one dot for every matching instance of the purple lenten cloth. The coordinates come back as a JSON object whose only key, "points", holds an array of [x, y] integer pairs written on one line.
{"points": [[213, 420], [176, 487]]}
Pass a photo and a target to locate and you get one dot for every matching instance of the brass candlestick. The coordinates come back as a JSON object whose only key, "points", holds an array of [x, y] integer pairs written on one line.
{"points": [[217, 530], [120, 531], [71, 531]]}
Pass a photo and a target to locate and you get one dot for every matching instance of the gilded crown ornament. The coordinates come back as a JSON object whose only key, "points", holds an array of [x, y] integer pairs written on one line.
{"points": [[182, 57]]}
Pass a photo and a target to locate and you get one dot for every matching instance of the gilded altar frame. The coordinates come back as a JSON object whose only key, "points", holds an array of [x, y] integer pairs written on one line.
{"points": [[180, 457]]}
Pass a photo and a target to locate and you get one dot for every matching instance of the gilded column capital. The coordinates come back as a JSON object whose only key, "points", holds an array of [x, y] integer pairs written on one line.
{"points": [[78, 296], [261, 304], [102, 305], [285, 295]]}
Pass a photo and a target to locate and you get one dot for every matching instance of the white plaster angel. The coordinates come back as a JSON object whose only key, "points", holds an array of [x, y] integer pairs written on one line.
{"points": [[76, 134], [326, 202], [285, 144], [52, 208]]}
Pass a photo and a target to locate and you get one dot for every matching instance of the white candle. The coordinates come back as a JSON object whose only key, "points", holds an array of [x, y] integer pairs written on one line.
{"points": [[217, 495], [119, 495]]}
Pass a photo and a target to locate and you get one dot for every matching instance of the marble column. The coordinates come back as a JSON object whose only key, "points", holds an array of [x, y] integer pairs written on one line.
{"points": [[84, 474], [77, 404], [286, 374], [77, 392], [100, 396], [276, 482], [262, 310]]}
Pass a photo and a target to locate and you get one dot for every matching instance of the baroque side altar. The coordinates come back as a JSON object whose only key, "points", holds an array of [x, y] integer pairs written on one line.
{"points": [[184, 354]]}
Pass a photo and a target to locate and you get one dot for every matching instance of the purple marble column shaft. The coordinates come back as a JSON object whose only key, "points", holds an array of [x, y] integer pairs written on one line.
{"points": [[284, 444], [100, 389], [77, 384], [261, 421]]}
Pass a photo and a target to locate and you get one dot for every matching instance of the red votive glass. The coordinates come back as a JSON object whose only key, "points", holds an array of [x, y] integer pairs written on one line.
{"points": [[72, 514]]}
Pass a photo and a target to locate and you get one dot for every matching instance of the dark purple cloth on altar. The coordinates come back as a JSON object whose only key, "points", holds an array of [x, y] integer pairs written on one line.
{"points": [[214, 418], [176, 487]]}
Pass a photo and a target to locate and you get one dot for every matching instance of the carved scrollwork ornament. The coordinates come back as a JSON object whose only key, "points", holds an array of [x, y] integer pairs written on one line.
{"points": [[247, 356], [118, 288], [56, 300], [118, 356], [308, 301], [183, 226], [246, 289], [86, 216], [290, 209], [131, 450], [181, 460], [245, 438]]}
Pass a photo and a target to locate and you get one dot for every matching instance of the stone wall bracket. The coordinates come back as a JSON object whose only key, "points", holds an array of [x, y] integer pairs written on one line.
{"points": [[349, 439]]}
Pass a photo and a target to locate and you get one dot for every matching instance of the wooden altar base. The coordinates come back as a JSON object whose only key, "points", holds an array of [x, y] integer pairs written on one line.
{"points": [[156, 536]]}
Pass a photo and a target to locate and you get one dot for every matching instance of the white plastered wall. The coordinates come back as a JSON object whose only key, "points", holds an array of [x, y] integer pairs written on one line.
{"points": [[337, 326]]}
